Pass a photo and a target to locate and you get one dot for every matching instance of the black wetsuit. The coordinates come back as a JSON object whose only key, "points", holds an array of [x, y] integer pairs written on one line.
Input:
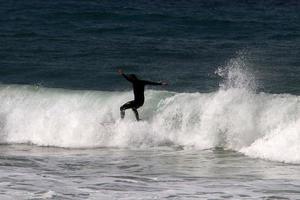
{"points": [[139, 98]]}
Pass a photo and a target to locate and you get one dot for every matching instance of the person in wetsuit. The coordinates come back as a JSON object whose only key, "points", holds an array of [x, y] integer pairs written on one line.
{"points": [[138, 90]]}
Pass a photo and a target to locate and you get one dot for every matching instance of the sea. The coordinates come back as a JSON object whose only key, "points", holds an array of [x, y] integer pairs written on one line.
{"points": [[227, 125]]}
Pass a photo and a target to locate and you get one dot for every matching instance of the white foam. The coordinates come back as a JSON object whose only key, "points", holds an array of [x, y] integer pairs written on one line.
{"points": [[259, 125]]}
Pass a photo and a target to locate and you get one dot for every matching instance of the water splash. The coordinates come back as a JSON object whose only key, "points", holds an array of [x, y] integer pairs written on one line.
{"points": [[236, 74]]}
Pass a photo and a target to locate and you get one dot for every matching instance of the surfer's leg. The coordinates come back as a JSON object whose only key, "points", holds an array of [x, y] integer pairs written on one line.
{"points": [[127, 105], [136, 114]]}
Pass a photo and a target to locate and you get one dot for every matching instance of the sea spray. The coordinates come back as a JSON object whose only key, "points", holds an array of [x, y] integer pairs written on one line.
{"points": [[236, 74]]}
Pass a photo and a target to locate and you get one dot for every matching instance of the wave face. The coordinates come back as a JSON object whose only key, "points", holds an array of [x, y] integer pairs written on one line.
{"points": [[234, 117]]}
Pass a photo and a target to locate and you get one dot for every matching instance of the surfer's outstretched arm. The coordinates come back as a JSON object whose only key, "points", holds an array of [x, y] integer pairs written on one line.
{"points": [[154, 83]]}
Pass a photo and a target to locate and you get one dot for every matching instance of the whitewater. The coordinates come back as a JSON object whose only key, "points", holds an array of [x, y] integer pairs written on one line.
{"points": [[235, 117]]}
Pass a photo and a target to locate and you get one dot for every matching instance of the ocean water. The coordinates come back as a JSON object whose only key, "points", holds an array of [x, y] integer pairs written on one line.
{"points": [[226, 127]]}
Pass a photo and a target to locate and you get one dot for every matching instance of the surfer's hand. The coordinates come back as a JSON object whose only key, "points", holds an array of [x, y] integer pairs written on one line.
{"points": [[120, 71], [164, 83]]}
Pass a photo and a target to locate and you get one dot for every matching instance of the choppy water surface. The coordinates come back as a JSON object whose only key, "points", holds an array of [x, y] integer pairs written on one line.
{"points": [[29, 172]]}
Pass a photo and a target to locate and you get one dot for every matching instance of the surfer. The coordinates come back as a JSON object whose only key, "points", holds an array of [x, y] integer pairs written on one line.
{"points": [[138, 90]]}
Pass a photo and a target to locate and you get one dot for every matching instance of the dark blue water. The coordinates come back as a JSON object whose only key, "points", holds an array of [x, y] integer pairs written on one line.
{"points": [[80, 44]]}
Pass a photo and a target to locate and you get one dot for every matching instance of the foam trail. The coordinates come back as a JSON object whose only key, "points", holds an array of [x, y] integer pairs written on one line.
{"points": [[234, 117]]}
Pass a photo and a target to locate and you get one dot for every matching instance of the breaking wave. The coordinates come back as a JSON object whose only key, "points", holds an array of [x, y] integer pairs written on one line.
{"points": [[234, 117]]}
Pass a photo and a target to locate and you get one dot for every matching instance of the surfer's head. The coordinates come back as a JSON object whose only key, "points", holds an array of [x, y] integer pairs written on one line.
{"points": [[132, 77]]}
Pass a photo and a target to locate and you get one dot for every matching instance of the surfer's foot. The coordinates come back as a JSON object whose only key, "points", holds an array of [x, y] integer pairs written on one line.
{"points": [[122, 114]]}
